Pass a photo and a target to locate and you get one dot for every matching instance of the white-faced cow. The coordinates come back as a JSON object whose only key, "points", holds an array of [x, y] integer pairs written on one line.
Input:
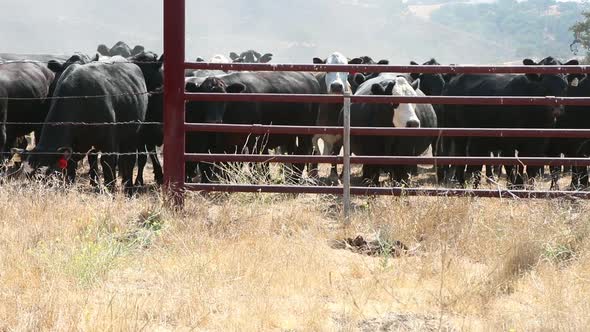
{"points": [[331, 83], [390, 115]]}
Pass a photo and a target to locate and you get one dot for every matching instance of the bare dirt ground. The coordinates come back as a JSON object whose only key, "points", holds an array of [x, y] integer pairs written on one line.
{"points": [[73, 259]]}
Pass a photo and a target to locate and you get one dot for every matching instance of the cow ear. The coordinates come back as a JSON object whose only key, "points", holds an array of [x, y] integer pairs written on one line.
{"points": [[383, 62], [191, 87], [318, 61], [236, 88], [359, 78], [266, 58], [66, 152], [528, 62], [416, 84], [377, 89], [572, 62], [389, 88], [103, 49], [355, 61], [55, 66], [532, 77], [233, 56], [137, 50], [96, 58], [161, 59]]}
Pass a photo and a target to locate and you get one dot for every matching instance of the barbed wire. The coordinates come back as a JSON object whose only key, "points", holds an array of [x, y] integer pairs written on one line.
{"points": [[55, 124], [98, 153], [157, 92], [105, 61]]}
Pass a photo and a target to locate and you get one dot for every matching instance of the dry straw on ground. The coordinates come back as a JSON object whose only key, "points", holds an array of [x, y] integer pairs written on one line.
{"points": [[71, 259]]}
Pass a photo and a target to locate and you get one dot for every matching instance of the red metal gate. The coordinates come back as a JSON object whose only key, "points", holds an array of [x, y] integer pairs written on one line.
{"points": [[175, 128]]}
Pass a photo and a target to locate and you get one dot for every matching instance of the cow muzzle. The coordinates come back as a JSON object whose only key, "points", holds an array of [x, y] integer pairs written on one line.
{"points": [[336, 87]]}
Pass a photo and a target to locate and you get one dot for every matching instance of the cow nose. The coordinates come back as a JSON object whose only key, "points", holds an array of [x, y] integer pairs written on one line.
{"points": [[413, 124], [336, 87]]}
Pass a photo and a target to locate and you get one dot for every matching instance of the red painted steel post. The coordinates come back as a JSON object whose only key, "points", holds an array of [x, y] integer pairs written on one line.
{"points": [[174, 53]]}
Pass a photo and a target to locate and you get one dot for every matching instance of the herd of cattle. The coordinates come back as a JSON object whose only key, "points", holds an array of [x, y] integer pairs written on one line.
{"points": [[117, 95]]}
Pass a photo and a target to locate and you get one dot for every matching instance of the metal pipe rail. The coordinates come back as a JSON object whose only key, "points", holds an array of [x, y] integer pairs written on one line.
{"points": [[338, 99], [388, 160], [425, 69], [386, 131], [290, 189]]}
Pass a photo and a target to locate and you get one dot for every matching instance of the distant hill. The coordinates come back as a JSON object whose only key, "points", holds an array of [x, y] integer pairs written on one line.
{"points": [[296, 31]]}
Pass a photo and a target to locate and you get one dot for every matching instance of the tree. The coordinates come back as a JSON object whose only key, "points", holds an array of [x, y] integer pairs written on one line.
{"points": [[581, 32]]}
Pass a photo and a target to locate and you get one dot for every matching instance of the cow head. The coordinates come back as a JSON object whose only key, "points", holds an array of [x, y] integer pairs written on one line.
{"points": [[266, 58], [215, 110], [137, 49], [219, 58], [548, 84], [356, 79], [103, 49], [150, 66], [42, 163], [337, 82], [59, 67], [430, 84], [120, 48], [404, 115]]}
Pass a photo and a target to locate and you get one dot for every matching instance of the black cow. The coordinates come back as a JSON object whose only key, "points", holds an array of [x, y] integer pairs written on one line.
{"points": [[433, 85], [475, 116], [250, 56], [384, 115], [117, 93], [151, 135], [28, 80], [298, 114], [574, 117], [356, 80]]}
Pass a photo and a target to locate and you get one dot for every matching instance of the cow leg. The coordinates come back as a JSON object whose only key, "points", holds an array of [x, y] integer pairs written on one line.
{"points": [[157, 167], [533, 172], [460, 150], [109, 164], [400, 174], [515, 178], [303, 148], [126, 164], [584, 177], [93, 164], [441, 148], [312, 168], [555, 175], [335, 151], [141, 162], [371, 174], [579, 177]]}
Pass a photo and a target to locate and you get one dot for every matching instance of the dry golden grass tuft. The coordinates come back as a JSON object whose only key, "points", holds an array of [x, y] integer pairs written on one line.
{"points": [[75, 260]]}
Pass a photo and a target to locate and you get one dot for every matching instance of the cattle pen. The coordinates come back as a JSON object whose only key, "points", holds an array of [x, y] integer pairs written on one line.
{"points": [[176, 128]]}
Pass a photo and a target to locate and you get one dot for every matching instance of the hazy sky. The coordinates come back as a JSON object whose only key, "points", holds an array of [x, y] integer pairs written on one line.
{"points": [[293, 30]]}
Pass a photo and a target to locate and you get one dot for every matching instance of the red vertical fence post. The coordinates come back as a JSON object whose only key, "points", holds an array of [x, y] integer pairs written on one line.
{"points": [[174, 53]]}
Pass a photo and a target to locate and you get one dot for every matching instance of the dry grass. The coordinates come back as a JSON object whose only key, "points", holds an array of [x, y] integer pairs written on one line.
{"points": [[74, 260]]}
